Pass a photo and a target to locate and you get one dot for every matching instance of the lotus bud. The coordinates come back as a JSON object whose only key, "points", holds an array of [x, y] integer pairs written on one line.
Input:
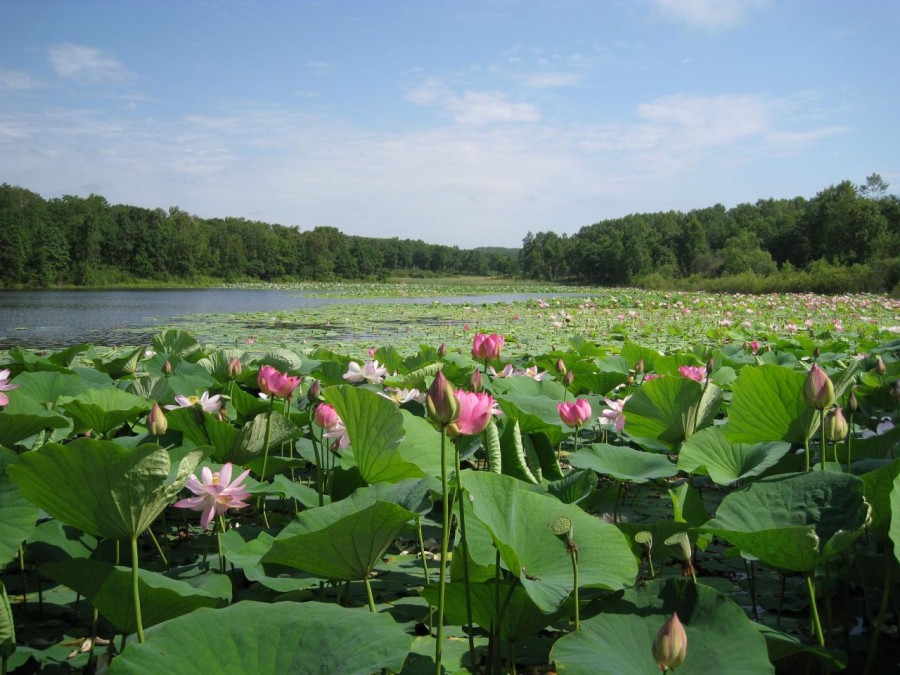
{"points": [[561, 367], [836, 426], [818, 389], [629, 380], [475, 383], [440, 401], [852, 403], [670, 645], [880, 368], [442, 350], [816, 352], [315, 390], [156, 421], [234, 368], [568, 378], [639, 367], [167, 368]]}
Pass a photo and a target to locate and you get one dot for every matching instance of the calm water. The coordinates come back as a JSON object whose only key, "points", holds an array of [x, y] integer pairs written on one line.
{"points": [[54, 319]]}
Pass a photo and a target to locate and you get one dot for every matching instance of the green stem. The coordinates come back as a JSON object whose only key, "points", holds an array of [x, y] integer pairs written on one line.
{"points": [[575, 578], [135, 587], [261, 500], [424, 566], [370, 596], [806, 447], [849, 440], [465, 557], [158, 548], [882, 609], [815, 610], [822, 437], [445, 543], [220, 530]]}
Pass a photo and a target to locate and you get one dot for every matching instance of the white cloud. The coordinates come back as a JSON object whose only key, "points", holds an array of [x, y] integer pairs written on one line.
{"points": [[709, 14], [18, 80], [483, 107], [85, 63], [548, 80]]}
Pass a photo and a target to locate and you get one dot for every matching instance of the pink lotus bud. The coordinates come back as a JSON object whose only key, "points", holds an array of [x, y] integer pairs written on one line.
{"points": [[326, 416], [568, 378], [575, 413], [475, 383], [852, 403], [880, 368], [561, 367], [156, 421], [167, 368], [639, 366], [442, 350], [670, 645], [315, 391], [754, 347], [440, 402], [818, 389], [487, 347], [234, 368], [836, 426]]}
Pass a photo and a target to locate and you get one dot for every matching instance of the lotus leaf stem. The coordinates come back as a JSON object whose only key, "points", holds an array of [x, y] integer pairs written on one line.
{"points": [[464, 550], [261, 500], [369, 595], [445, 543], [810, 585], [882, 609], [135, 587]]}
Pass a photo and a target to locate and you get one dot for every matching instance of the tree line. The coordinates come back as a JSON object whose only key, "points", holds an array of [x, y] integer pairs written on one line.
{"points": [[87, 241], [854, 229]]}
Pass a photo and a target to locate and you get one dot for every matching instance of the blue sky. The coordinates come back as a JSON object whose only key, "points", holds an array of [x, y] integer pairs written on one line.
{"points": [[468, 122]]}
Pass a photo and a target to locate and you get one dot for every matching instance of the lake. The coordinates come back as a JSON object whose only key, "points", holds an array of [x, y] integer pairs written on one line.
{"points": [[55, 319]]}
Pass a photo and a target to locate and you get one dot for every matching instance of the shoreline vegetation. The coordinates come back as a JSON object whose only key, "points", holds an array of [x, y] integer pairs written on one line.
{"points": [[846, 239]]}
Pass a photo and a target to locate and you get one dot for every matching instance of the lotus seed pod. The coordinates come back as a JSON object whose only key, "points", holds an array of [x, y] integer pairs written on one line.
{"points": [[561, 525]]}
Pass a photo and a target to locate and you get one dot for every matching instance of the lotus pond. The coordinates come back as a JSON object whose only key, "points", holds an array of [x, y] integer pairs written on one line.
{"points": [[619, 483]]}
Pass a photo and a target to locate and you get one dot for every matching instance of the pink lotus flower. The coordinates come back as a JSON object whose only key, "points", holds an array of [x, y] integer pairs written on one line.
{"points": [[210, 404], [696, 373], [273, 383], [216, 494], [574, 413], [327, 418], [754, 346], [371, 372], [487, 347], [475, 412], [614, 414], [5, 386]]}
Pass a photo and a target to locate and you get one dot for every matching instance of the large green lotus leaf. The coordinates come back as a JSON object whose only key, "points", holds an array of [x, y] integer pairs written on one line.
{"points": [[252, 442], [522, 618], [517, 456], [247, 638], [25, 417], [17, 515], [533, 404], [202, 428], [177, 343], [120, 364], [7, 627], [422, 445], [619, 639], [216, 364], [879, 485], [623, 463], [48, 387], [109, 589], [519, 521], [574, 486], [104, 410], [342, 540], [793, 521], [375, 427], [709, 452], [633, 352], [52, 540], [768, 405], [894, 529], [670, 409], [101, 487]]}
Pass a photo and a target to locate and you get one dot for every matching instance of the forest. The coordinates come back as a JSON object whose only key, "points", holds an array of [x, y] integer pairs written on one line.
{"points": [[846, 238], [86, 241]]}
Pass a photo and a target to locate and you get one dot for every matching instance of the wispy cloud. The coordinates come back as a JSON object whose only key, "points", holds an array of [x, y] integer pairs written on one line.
{"points": [[551, 79], [472, 108], [18, 80], [709, 14], [84, 63]]}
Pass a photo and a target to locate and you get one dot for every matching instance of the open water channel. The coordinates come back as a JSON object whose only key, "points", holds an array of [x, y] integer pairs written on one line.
{"points": [[56, 319]]}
